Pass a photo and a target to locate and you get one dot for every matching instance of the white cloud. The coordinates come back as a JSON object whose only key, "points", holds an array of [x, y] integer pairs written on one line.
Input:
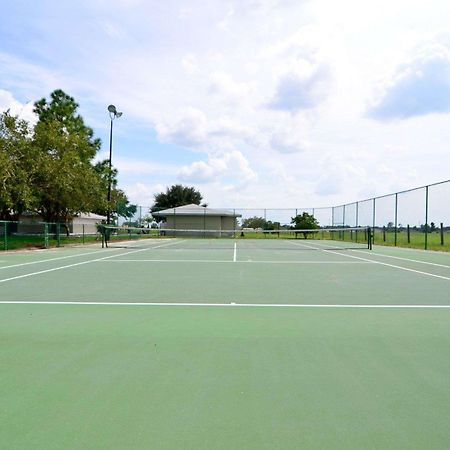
{"points": [[223, 85], [190, 63], [141, 167], [232, 165], [292, 136], [23, 110], [303, 88], [418, 87], [189, 129], [143, 194]]}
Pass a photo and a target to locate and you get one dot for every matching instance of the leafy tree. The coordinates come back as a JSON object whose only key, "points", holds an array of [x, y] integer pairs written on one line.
{"points": [[260, 222], [17, 167], [254, 222], [48, 169], [305, 221], [61, 112], [176, 195], [119, 205], [269, 225], [124, 208], [67, 183]]}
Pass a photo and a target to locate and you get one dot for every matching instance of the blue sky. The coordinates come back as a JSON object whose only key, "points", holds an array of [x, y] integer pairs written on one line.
{"points": [[256, 103]]}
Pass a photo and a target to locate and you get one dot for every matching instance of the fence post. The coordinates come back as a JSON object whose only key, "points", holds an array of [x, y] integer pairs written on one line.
{"points": [[373, 219], [6, 235], [357, 213], [204, 223], [174, 222], [82, 230], [343, 216], [46, 235], [426, 217], [396, 219], [58, 234], [332, 216]]}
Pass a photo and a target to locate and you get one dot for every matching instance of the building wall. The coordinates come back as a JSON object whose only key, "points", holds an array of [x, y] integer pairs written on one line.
{"points": [[90, 226], [228, 223], [199, 223]]}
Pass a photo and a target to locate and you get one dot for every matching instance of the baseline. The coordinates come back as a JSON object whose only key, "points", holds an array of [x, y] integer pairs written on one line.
{"points": [[226, 305]]}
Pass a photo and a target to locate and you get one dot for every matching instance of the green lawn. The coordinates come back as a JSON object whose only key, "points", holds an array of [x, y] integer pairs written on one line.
{"points": [[417, 240]]}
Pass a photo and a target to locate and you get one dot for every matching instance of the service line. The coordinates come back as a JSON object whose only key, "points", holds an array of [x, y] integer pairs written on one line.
{"points": [[81, 263], [337, 252]]}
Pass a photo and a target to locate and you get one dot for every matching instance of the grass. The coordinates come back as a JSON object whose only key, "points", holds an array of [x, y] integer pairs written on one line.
{"points": [[16, 242], [417, 240]]}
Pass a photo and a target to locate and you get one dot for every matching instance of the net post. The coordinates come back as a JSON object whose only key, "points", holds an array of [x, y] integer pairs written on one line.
{"points": [[82, 228], [441, 231], [370, 240]]}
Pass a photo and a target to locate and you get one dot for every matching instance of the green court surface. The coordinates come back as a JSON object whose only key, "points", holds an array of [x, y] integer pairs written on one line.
{"points": [[224, 344]]}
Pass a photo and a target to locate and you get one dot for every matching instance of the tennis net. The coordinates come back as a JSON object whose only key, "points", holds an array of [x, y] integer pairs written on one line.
{"points": [[317, 239]]}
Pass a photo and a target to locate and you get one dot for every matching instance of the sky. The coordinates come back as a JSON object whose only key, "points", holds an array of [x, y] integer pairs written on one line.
{"points": [[255, 103]]}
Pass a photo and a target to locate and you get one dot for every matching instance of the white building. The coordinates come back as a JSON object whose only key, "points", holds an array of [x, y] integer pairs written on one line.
{"points": [[198, 220]]}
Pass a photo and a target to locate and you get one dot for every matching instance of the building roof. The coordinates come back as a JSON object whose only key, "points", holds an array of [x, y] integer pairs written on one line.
{"points": [[90, 216], [195, 210]]}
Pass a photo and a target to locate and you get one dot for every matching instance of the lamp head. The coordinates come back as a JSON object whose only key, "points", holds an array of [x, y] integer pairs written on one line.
{"points": [[112, 109]]}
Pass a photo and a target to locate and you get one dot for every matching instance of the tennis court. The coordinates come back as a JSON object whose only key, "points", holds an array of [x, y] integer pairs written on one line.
{"points": [[225, 344]]}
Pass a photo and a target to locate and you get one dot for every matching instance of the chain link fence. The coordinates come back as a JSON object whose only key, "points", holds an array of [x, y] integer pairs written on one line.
{"points": [[416, 218]]}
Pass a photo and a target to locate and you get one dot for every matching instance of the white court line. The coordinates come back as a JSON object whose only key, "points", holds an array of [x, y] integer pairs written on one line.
{"points": [[62, 257], [52, 259], [394, 257], [235, 251], [78, 264], [206, 261], [413, 260], [335, 252], [227, 305]]}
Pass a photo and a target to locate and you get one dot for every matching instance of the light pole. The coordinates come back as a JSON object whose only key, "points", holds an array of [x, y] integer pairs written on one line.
{"points": [[113, 113]]}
